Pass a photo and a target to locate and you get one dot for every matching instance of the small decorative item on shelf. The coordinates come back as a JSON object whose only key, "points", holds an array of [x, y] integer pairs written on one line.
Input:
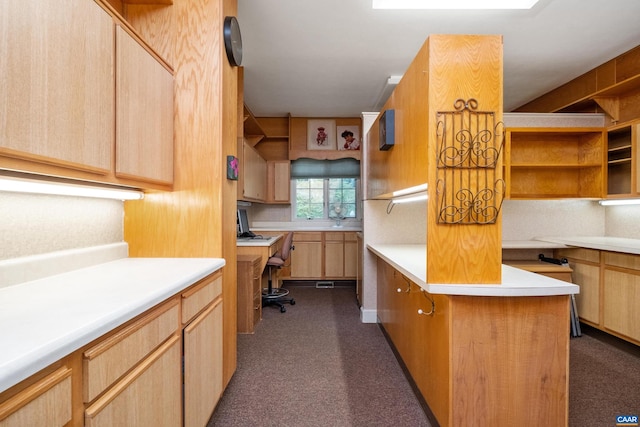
{"points": [[469, 187], [321, 135]]}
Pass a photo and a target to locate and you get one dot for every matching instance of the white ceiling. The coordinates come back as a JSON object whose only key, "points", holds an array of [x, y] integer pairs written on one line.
{"points": [[332, 58]]}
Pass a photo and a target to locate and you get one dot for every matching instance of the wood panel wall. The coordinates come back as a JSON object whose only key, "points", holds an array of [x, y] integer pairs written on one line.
{"points": [[197, 219], [447, 68]]}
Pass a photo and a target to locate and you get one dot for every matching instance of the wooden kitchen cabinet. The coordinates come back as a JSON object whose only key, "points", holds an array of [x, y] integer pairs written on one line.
{"points": [[586, 274], [621, 294], [549, 163], [254, 171], [148, 395], [144, 113], [53, 119], [306, 259], [324, 255], [249, 292], [622, 160], [203, 365], [46, 403], [278, 181]]}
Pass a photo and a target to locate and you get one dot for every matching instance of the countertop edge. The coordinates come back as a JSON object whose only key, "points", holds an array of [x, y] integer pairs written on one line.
{"points": [[410, 260], [68, 336]]}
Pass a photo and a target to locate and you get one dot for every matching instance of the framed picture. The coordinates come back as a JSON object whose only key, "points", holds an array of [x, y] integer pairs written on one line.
{"points": [[321, 134], [348, 137]]}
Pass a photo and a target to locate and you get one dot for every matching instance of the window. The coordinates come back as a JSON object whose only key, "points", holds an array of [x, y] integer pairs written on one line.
{"points": [[325, 198]]}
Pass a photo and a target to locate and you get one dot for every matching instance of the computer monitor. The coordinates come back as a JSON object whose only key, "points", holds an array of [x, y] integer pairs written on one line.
{"points": [[243, 224]]}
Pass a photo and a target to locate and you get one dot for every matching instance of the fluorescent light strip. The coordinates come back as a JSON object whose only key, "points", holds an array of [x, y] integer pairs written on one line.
{"points": [[409, 199], [615, 202], [454, 4], [410, 190], [18, 185]]}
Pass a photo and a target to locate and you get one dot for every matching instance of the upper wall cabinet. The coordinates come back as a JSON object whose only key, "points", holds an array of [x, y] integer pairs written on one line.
{"points": [[57, 85], [144, 108], [552, 163], [622, 160], [62, 116]]}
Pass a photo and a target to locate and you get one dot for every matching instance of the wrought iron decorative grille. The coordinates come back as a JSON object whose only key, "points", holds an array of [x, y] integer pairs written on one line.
{"points": [[469, 186]]}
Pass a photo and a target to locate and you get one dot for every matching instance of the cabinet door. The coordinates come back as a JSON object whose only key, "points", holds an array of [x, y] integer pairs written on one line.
{"points": [[588, 300], [144, 105], [203, 366], [621, 299], [279, 181], [255, 174], [45, 403], [149, 395], [350, 256], [57, 76], [306, 260], [334, 259]]}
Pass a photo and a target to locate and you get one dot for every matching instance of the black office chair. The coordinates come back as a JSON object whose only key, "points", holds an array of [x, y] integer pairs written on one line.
{"points": [[277, 296]]}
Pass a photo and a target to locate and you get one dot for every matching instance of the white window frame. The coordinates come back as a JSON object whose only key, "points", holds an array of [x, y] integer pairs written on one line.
{"points": [[325, 208]]}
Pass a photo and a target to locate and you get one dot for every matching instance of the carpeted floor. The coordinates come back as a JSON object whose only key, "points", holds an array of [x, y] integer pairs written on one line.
{"points": [[317, 365]]}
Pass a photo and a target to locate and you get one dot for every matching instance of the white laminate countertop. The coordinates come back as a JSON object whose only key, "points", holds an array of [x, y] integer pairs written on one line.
{"points": [[46, 319], [258, 241], [411, 260], [614, 244]]}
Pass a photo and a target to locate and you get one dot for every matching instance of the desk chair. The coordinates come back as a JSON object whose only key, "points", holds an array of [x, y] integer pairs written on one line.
{"points": [[277, 296]]}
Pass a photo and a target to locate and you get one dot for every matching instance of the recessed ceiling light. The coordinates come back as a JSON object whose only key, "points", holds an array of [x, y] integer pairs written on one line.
{"points": [[454, 4]]}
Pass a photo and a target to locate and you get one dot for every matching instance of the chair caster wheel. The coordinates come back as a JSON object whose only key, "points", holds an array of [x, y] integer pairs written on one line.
{"points": [[282, 309], [293, 302]]}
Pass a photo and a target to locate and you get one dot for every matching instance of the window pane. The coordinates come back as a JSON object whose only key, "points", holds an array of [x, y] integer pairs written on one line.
{"points": [[340, 194]]}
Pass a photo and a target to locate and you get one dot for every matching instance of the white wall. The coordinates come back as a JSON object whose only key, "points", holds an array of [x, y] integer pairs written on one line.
{"points": [[36, 224], [623, 221]]}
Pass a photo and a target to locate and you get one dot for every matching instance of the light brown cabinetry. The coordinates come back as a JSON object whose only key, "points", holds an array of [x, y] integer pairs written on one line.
{"points": [[48, 402], [254, 170], [548, 163], [144, 113], [249, 292], [609, 290], [324, 255], [622, 163], [83, 106], [586, 273], [58, 79], [278, 181], [472, 358], [307, 259]]}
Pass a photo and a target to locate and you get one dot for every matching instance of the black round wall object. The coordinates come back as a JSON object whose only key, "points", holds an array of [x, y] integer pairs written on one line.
{"points": [[232, 40]]}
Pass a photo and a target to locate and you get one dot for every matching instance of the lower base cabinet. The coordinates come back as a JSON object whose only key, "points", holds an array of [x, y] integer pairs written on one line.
{"points": [[148, 396], [482, 361], [48, 402], [162, 368]]}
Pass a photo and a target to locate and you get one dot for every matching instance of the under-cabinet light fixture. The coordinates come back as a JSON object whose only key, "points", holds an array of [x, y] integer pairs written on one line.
{"points": [[409, 199], [410, 190], [616, 202], [454, 4], [21, 185]]}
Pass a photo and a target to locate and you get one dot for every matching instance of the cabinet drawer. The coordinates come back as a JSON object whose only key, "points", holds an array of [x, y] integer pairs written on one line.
{"points": [[307, 236], [45, 403], [107, 361], [622, 260], [200, 295], [590, 255], [150, 395], [334, 236], [350, 237]]}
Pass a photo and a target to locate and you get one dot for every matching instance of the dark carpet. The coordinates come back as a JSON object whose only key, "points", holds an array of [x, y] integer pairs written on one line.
{"points": [[318, 365]]}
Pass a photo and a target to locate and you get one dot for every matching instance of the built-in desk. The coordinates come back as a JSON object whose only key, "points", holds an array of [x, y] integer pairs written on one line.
{"points": [[265, 247]]}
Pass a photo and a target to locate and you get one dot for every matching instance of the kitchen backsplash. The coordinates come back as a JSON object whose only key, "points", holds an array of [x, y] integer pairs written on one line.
{"points": [[35, 224]]}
